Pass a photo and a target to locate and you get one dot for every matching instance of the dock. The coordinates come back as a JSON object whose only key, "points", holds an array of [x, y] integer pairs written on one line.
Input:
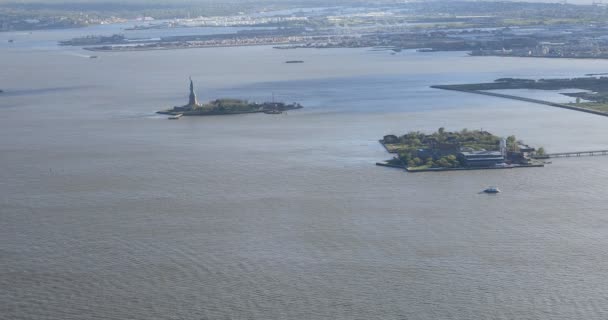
{"points": [[388, 165]]}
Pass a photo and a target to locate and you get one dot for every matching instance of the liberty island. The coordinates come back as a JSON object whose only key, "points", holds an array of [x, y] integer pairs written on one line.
{"points": [[225, 106]]}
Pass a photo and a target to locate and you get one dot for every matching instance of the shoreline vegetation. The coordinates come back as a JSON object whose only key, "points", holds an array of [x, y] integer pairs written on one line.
{"points": [[593, 97], [458, 151]]}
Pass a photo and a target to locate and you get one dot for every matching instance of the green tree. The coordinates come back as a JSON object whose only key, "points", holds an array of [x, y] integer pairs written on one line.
{"points": [[511, 139], [512, 144], [443, 162], [453, 161], [406, 157], [540, 151]]}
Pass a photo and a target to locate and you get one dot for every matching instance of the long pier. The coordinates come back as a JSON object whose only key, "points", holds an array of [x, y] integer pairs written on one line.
{"points": [[508, 96], [574, 154]]}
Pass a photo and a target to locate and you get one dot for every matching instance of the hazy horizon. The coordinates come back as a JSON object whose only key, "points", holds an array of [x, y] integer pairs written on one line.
{"points": [[3, 2]]}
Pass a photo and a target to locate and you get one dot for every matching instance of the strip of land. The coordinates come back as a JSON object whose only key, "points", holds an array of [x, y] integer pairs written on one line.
{"points": [[593, 90]]}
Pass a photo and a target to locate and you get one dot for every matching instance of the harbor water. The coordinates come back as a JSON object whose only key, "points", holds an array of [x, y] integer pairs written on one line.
{"points": [[109, 211]]}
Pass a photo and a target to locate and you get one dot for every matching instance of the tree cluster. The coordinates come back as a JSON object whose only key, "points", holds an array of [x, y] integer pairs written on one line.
{"points": [[439, 149]]}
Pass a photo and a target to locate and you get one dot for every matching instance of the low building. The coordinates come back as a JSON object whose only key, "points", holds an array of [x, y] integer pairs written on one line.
{"points": [[524, 148], [481, 158], [446, 149]]}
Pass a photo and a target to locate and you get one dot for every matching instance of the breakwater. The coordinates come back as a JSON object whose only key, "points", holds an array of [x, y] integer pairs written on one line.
{"points": [[512, 97]]}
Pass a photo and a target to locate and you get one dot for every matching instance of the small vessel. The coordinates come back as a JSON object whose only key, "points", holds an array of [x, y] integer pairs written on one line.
{"points": [[176, 117], [92, 57], [492, 190], [294, 61], [273, 111], [11, 40]]}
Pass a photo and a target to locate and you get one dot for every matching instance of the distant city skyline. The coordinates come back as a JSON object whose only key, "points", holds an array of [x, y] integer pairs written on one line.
{"points": [[191, 2]]}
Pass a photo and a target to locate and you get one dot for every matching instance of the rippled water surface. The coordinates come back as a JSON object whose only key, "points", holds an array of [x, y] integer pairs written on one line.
{"points": [[108, 211]]}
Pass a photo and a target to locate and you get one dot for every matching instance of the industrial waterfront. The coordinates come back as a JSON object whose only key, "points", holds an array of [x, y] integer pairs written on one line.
{"points": [[111, 211]]}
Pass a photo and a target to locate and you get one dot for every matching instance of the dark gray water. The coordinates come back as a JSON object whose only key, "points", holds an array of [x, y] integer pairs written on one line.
{"points": [[108, 211]]}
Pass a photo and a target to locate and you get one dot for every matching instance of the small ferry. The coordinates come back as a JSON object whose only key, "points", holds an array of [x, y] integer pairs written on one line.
{"points": [[492, 190]]}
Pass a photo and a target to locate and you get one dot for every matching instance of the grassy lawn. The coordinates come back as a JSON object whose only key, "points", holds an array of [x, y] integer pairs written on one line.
{"points": [[396, 147], [597, 106]]}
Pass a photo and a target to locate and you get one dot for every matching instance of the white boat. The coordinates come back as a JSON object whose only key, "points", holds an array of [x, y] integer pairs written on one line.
{"points": [[492, 190], [176, 117]]}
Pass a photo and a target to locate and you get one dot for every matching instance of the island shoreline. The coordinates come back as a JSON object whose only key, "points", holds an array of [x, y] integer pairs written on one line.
{"points": [[398, 161]]}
